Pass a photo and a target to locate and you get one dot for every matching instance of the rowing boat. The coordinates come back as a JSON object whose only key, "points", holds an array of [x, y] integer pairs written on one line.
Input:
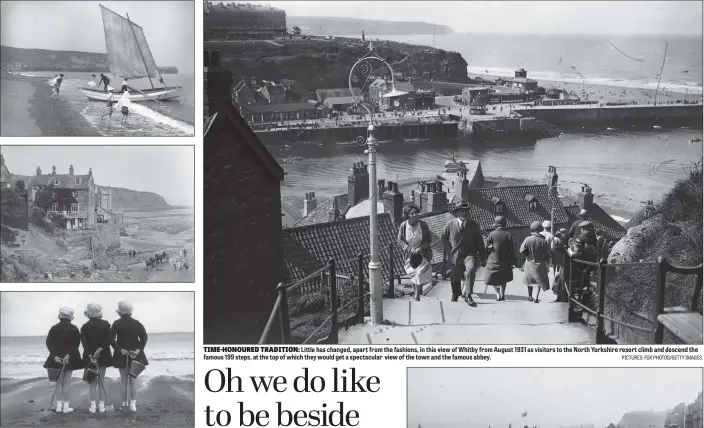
{"points": [[129, 57]]}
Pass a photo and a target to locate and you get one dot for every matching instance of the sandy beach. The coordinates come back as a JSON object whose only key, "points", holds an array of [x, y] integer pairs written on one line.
{"points": [[30, 111], [162, 401]]}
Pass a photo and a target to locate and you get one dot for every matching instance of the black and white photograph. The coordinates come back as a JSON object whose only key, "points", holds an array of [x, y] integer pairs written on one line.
{"points": [[97, 359], [453, 172], [97, 213], [87, 68], [621, 397]]}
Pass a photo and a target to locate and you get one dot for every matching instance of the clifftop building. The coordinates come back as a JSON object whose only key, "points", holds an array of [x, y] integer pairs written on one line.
{"points": [[242, 21]]}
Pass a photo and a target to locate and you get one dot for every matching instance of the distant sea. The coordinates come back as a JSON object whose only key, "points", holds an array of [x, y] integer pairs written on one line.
{"points": [[166, 119], [591, 59], [168, 354]]}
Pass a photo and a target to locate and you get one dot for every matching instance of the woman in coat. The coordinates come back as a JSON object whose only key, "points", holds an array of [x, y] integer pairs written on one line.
{"points": [[95, 337], [535, 269], [62, 342], [128, 337], [499, 264], [414, 240]]}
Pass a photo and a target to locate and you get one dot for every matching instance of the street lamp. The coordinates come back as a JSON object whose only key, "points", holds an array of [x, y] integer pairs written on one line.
{"points": [[376, 308]]}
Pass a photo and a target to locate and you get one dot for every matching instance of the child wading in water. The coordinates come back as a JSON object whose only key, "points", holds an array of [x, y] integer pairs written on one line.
{"points": [[63, 341], [128, 338], [110, 101], [124, 106], [57, 84], [95, 337]]}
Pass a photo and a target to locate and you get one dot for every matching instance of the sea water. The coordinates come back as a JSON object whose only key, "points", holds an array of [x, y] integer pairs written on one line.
{"points": [[163, 119], [169, 354]]}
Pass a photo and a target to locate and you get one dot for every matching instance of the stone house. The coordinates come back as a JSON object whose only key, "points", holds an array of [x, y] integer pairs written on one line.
{"points": [[243, 239]]}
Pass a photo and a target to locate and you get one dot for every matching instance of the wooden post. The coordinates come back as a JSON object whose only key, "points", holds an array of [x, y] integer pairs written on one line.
{"points": [[284, 319], [600, 332], [697, 292], [659, 300], [360, 281], [333, 300], [392, 292]]}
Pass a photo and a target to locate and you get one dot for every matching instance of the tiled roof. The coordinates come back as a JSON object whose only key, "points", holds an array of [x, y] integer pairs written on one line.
{"points": [[516, 210], [613, 231], [436, 224], [290, 215], [339, 100], [322, 94], [321, 214], [309, 248], [342, 203], [65, 181]]}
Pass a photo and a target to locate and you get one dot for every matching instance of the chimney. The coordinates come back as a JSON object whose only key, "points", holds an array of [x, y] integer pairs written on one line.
{"points": [[437, 199], [585, 197], [334, 213], [219, 84], [90, 172], [462, 187], [53, 171], [552, 177], [425, 189], [70, 170], [309, 204], [357, 184], [39, 171], [393, 202]]}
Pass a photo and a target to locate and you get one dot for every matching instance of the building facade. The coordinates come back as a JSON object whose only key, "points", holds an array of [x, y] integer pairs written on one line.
{"points": [[69, 196], [242, 21]]}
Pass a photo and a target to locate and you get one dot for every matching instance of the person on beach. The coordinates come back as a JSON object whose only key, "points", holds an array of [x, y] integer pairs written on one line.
{"points": [[464, 239], [109, 103], [535, 268], [501, 258], [95, 337], [105, 80], [128, 338], [62, 342], [124, 105], [414, 240], [57, 84]]}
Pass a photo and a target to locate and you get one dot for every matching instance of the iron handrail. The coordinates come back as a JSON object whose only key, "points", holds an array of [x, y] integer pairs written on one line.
{"points": [[294, 286], [331, 316], [270, 321], [631, 326]]}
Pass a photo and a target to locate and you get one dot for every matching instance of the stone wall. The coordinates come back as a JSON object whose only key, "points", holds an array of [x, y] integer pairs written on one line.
{"points": [[108, 235]]}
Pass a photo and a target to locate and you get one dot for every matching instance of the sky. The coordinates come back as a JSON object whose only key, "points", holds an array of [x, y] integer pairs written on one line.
{"points": [[33, 313], [169, 27], [482, 397], [166, 170], [523, 17]]}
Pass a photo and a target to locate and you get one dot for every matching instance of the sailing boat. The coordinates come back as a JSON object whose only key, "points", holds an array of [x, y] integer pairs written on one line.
{"points": [[129, 57]]}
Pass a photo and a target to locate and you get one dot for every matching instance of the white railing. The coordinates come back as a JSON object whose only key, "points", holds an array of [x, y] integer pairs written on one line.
{"points": [[71, 214]]}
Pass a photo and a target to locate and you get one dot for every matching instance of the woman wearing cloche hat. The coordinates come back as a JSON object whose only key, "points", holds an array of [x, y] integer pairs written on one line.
{"points": [[95, 336], [63, 341], [501, 258], [128, 337], [537, 252]]}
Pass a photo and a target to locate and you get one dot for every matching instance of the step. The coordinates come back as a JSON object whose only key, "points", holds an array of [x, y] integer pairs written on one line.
{"points": [[683, 323]]}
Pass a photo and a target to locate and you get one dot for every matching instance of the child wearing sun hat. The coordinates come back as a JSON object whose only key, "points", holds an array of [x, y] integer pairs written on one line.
{"points": [[129, 338], [95, 336], [62, 342]]}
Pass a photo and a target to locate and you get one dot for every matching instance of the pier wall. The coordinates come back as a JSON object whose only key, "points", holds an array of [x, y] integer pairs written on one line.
{"points": [[504, 128], [666, 114], [334, 135]]}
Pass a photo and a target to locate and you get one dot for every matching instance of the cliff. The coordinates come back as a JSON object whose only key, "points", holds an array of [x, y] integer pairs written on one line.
{"points": [[47, 60], [324, 26], [643, 419], [318, 64], [133, 200]]}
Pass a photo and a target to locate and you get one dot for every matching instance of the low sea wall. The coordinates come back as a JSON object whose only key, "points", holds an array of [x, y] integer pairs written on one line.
{"points": [[680, 114]]}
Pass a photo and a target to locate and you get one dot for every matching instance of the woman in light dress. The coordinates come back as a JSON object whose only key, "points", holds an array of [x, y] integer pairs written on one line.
{"points": [[538, 257], [414, 240]]}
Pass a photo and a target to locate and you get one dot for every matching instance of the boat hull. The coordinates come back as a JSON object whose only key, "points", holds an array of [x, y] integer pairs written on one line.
{"points": [[159, 94]]}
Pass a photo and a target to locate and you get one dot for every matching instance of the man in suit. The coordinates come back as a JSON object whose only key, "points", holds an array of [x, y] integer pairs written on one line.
{"points": [[464, 239]]}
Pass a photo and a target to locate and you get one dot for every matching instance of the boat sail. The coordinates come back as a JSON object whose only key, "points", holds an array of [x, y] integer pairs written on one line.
{"points": [[129, 57]]}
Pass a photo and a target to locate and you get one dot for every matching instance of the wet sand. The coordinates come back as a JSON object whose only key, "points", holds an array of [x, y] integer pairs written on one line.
{"points": [[15, 120], [55, 116], [162, 401]]}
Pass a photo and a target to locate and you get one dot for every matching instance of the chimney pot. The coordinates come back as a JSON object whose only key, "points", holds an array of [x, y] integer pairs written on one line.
{"points": [[215, 58], [312, 195], [390, 186]]}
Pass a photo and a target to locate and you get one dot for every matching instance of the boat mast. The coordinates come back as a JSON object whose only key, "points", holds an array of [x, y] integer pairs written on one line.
{"points": [[140, 51], [660, 76]]}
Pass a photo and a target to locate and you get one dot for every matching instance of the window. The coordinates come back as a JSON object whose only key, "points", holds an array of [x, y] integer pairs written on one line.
{"points": [[54, 207], [74, 208], [75, 194], [498, 204], [532, 202], [57, 181], [78, 181], [53, 195]]}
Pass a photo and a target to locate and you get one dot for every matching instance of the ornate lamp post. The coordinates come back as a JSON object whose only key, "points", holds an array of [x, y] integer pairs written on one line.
{"points": [[375, 283]]}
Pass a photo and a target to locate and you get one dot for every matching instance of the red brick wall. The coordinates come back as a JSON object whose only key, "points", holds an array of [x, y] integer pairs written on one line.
{"points": [[244, 257]]}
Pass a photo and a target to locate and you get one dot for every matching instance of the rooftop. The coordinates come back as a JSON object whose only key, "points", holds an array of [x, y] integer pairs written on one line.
{"points": [[62, 181], [277, 108]]}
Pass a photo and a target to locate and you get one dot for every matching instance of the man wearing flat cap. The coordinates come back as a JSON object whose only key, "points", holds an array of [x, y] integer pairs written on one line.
{"points": [[575, 229], [464, 239]]}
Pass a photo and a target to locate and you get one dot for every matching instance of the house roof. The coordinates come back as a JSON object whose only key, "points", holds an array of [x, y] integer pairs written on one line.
{"points": [[62, 181], [404, 86], [223, 112], [363, 207], [308, 248], [339, 100], [289, 215], [515, 210], [277, 108], [5, 176], [613, 231], [321, 214], [322, 94]]}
